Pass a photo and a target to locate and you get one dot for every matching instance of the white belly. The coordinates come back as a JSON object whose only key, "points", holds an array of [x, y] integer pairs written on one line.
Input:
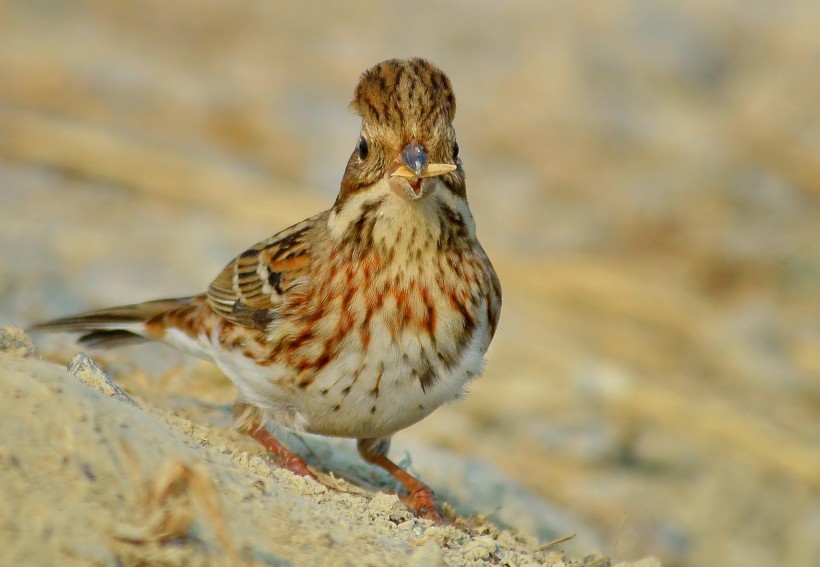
{"points": [[343, 399]]}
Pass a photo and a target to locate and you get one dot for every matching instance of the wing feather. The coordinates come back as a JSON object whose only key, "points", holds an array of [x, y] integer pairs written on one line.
{"points": [[251, 287]]}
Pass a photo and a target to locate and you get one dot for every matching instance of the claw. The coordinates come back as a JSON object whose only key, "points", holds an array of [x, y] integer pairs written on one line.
{"points": [[423, 503]]}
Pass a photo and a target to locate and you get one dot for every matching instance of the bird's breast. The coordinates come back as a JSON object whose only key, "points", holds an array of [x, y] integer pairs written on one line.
{"points": [[377, 346]]}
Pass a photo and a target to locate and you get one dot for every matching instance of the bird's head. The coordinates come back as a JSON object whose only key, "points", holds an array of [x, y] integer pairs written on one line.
{"points": [[407, 141]]}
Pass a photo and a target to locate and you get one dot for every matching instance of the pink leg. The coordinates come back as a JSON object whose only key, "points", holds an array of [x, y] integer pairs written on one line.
{"points": [[420, 498], [287, 458]]}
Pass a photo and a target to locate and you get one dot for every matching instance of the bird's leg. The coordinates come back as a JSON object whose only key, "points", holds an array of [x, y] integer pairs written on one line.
{"points": [[287, 458], [248, 419], [420, 497]]}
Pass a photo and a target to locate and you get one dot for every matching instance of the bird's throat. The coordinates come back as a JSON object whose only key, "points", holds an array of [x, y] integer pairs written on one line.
{"points": [[388, 222]]}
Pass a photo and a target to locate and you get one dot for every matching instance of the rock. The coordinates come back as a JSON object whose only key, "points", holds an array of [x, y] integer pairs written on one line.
{"points": [[14, 341], [84, 368]]}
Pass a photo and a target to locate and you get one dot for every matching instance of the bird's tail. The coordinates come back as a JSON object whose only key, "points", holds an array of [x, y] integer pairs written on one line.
{"points": [[124, 325]]}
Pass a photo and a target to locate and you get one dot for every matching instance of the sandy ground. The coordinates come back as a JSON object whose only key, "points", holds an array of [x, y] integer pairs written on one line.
{"points": [[93, 476], [644, 176]]}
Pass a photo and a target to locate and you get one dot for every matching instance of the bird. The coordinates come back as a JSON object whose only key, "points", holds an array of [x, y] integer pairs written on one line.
{"points": [[361, 320]]}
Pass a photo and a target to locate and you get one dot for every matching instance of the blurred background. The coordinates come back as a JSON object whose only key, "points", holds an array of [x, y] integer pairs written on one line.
{"points": [[644, 175]]}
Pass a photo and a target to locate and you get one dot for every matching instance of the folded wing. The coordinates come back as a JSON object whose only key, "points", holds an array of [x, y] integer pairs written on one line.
{"points": [[255, 283]]}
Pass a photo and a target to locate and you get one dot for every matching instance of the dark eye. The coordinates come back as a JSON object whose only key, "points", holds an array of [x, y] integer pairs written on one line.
{"points": [[363, 149], [455, 149]]}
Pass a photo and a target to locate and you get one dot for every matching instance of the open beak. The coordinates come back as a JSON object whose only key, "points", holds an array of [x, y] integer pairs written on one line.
{"points": [[415, 165]]}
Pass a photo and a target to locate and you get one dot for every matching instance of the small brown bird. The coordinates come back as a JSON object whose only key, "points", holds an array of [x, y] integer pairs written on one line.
{"points": [[358, 321]]}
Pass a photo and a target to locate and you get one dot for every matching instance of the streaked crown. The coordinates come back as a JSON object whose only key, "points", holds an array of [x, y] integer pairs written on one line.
{"points": [[411, 95]]}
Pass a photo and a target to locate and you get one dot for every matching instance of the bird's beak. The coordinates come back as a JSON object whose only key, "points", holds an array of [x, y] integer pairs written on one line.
{"points": [[415, 165]]}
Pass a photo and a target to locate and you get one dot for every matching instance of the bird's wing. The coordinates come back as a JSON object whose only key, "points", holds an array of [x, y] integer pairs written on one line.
{"points": [[250, 288]]}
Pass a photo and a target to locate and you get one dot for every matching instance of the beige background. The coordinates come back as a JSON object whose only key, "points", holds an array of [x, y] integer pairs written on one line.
{"points": [[644, 176]]}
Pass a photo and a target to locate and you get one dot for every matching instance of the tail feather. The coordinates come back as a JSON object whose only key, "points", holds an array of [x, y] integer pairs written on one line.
{"points": [[110, 339], [115, 326]]}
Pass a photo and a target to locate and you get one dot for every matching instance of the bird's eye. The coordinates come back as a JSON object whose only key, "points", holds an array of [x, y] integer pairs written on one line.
{"points": [[455, 149], [363, 149]]}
